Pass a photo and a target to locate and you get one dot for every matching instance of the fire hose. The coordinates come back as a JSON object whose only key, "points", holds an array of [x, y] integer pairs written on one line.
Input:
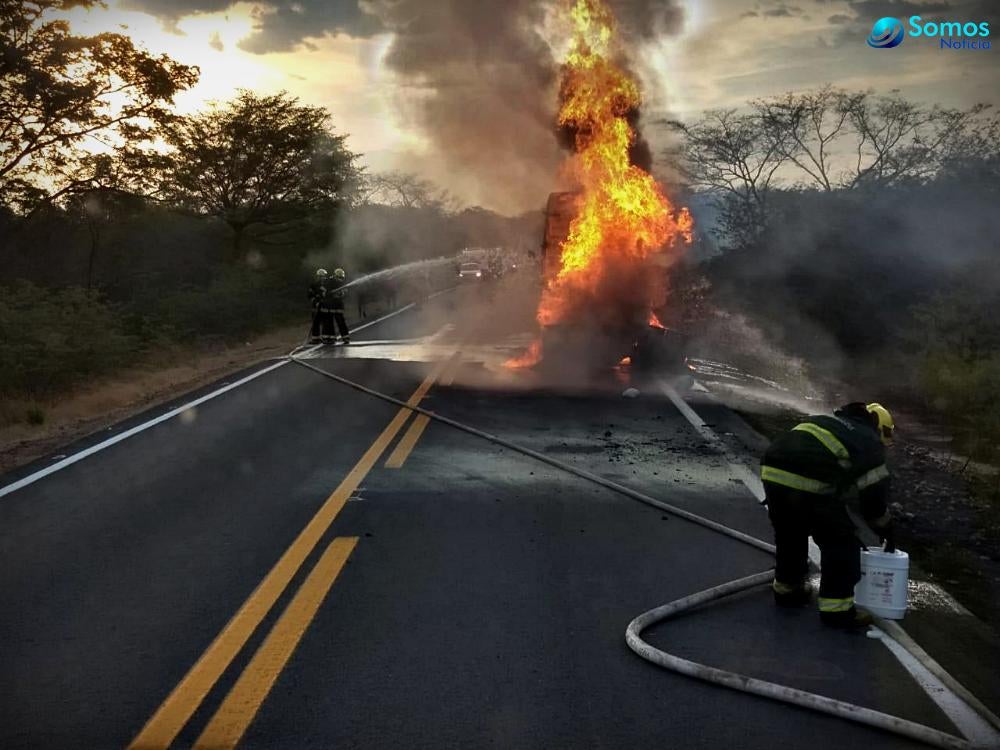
{"points": [[851, 712]]}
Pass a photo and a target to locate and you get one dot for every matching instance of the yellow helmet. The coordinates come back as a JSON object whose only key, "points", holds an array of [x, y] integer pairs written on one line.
{"points": [[339, 274], [886, 427]]}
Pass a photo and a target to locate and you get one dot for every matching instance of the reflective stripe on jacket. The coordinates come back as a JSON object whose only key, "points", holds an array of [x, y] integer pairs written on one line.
{"points": [[831, 455]]}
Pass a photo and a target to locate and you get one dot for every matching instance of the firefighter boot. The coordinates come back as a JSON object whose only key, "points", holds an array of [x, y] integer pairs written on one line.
{"points": [[789, 595], [849, 619]]}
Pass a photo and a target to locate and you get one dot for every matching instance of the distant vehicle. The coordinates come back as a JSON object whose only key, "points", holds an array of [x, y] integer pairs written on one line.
{"points": [[471, 272]]}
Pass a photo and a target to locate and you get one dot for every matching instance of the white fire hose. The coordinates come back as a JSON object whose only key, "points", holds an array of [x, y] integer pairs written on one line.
{"points": [[783, 693]]}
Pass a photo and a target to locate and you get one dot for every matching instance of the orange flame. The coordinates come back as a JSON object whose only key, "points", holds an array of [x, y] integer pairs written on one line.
{"points": [[655, 321], [623, 217], [529, 359]]}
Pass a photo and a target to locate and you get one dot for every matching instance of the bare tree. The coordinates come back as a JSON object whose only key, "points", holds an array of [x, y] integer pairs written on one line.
{"points": [[974, 149], [806, 127], [839, 140], [734, 157], [899, 140], [405, 190]]}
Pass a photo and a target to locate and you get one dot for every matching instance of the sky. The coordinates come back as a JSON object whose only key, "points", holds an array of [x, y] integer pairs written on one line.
{"points": [[464, 92]]}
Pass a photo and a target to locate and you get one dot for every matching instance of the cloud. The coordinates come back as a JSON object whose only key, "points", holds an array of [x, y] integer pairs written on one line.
{"points": [[280, 25], [283, 25], [865, 12], [783, 11], [712, 68], [215, 42], [176, 9]]}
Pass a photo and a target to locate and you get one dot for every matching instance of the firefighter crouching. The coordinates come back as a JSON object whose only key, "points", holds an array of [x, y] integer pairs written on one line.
{"points": [[327, 298], [808, 474]]}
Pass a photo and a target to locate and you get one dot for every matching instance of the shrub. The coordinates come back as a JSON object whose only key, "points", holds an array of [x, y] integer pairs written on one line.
{"points": [[238, 302], [960, 364], [53, 338]]}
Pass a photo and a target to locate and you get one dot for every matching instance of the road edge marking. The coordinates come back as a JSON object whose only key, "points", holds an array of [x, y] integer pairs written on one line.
{"points": [[951, 704], [176, 710], [737, 469], [87, 452], [965, 718], [233, 717]]}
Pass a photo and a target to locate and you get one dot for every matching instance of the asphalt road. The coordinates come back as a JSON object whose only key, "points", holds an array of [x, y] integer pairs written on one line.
{"points": [[257, 561]]}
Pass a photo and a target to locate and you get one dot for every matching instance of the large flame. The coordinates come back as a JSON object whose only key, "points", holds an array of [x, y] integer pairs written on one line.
{"points": [[623, 217]]}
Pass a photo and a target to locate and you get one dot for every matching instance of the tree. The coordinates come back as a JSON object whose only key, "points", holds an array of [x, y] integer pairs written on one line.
{"points": [[98, 208], [804, 129], [838, 140], [733, 157], [898, 140], [264, 161], [405, 190], [69, 104]]}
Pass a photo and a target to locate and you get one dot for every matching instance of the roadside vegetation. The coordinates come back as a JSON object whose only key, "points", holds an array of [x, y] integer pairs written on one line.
{"points": [[127, 228], [859, 232], [855, 239]]}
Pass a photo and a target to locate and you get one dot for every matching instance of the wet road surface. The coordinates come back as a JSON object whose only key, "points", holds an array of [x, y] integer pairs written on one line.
{"points": [[296, 565]]}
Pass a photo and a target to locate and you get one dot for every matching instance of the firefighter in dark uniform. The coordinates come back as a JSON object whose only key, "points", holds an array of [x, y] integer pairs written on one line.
{"points": [[809, 472], [335, 295], [322, 321]]}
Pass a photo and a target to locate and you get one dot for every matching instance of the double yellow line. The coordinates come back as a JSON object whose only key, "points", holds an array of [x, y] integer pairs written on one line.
{"points": [[405, 446], [233, 717]]}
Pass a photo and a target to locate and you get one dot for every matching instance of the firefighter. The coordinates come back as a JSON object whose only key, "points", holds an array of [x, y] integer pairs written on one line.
{"points": [[322, 321], [335, 295], [809, 472]]}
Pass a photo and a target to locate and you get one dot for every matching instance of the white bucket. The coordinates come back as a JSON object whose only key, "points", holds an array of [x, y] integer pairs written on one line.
{"points": [[882, 588]]}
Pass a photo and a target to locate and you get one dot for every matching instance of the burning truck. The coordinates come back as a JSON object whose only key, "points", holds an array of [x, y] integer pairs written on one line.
{"points": [[607, 244], [621, 326]]}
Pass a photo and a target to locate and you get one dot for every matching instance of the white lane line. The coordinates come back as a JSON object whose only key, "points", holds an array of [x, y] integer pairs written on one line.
{"points": [[313, 352], [393, 314], [443, 291], [70, 460], [42, 473], [739, 470], [965, 718], [973, 727]]}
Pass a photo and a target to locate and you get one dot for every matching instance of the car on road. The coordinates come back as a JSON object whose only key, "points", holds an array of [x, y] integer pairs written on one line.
{"points": [[471, 272]]}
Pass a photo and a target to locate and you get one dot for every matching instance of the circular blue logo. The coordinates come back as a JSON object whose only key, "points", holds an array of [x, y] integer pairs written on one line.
{"points": [[886, 33]]}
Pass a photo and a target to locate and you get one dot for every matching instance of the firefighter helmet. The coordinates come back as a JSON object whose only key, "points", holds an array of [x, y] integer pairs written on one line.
{"points": [[321, 273], [886, 427], [339, 274]]}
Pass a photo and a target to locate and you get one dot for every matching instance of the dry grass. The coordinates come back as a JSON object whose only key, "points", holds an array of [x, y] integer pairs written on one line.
{"points": [[108, 400]]}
